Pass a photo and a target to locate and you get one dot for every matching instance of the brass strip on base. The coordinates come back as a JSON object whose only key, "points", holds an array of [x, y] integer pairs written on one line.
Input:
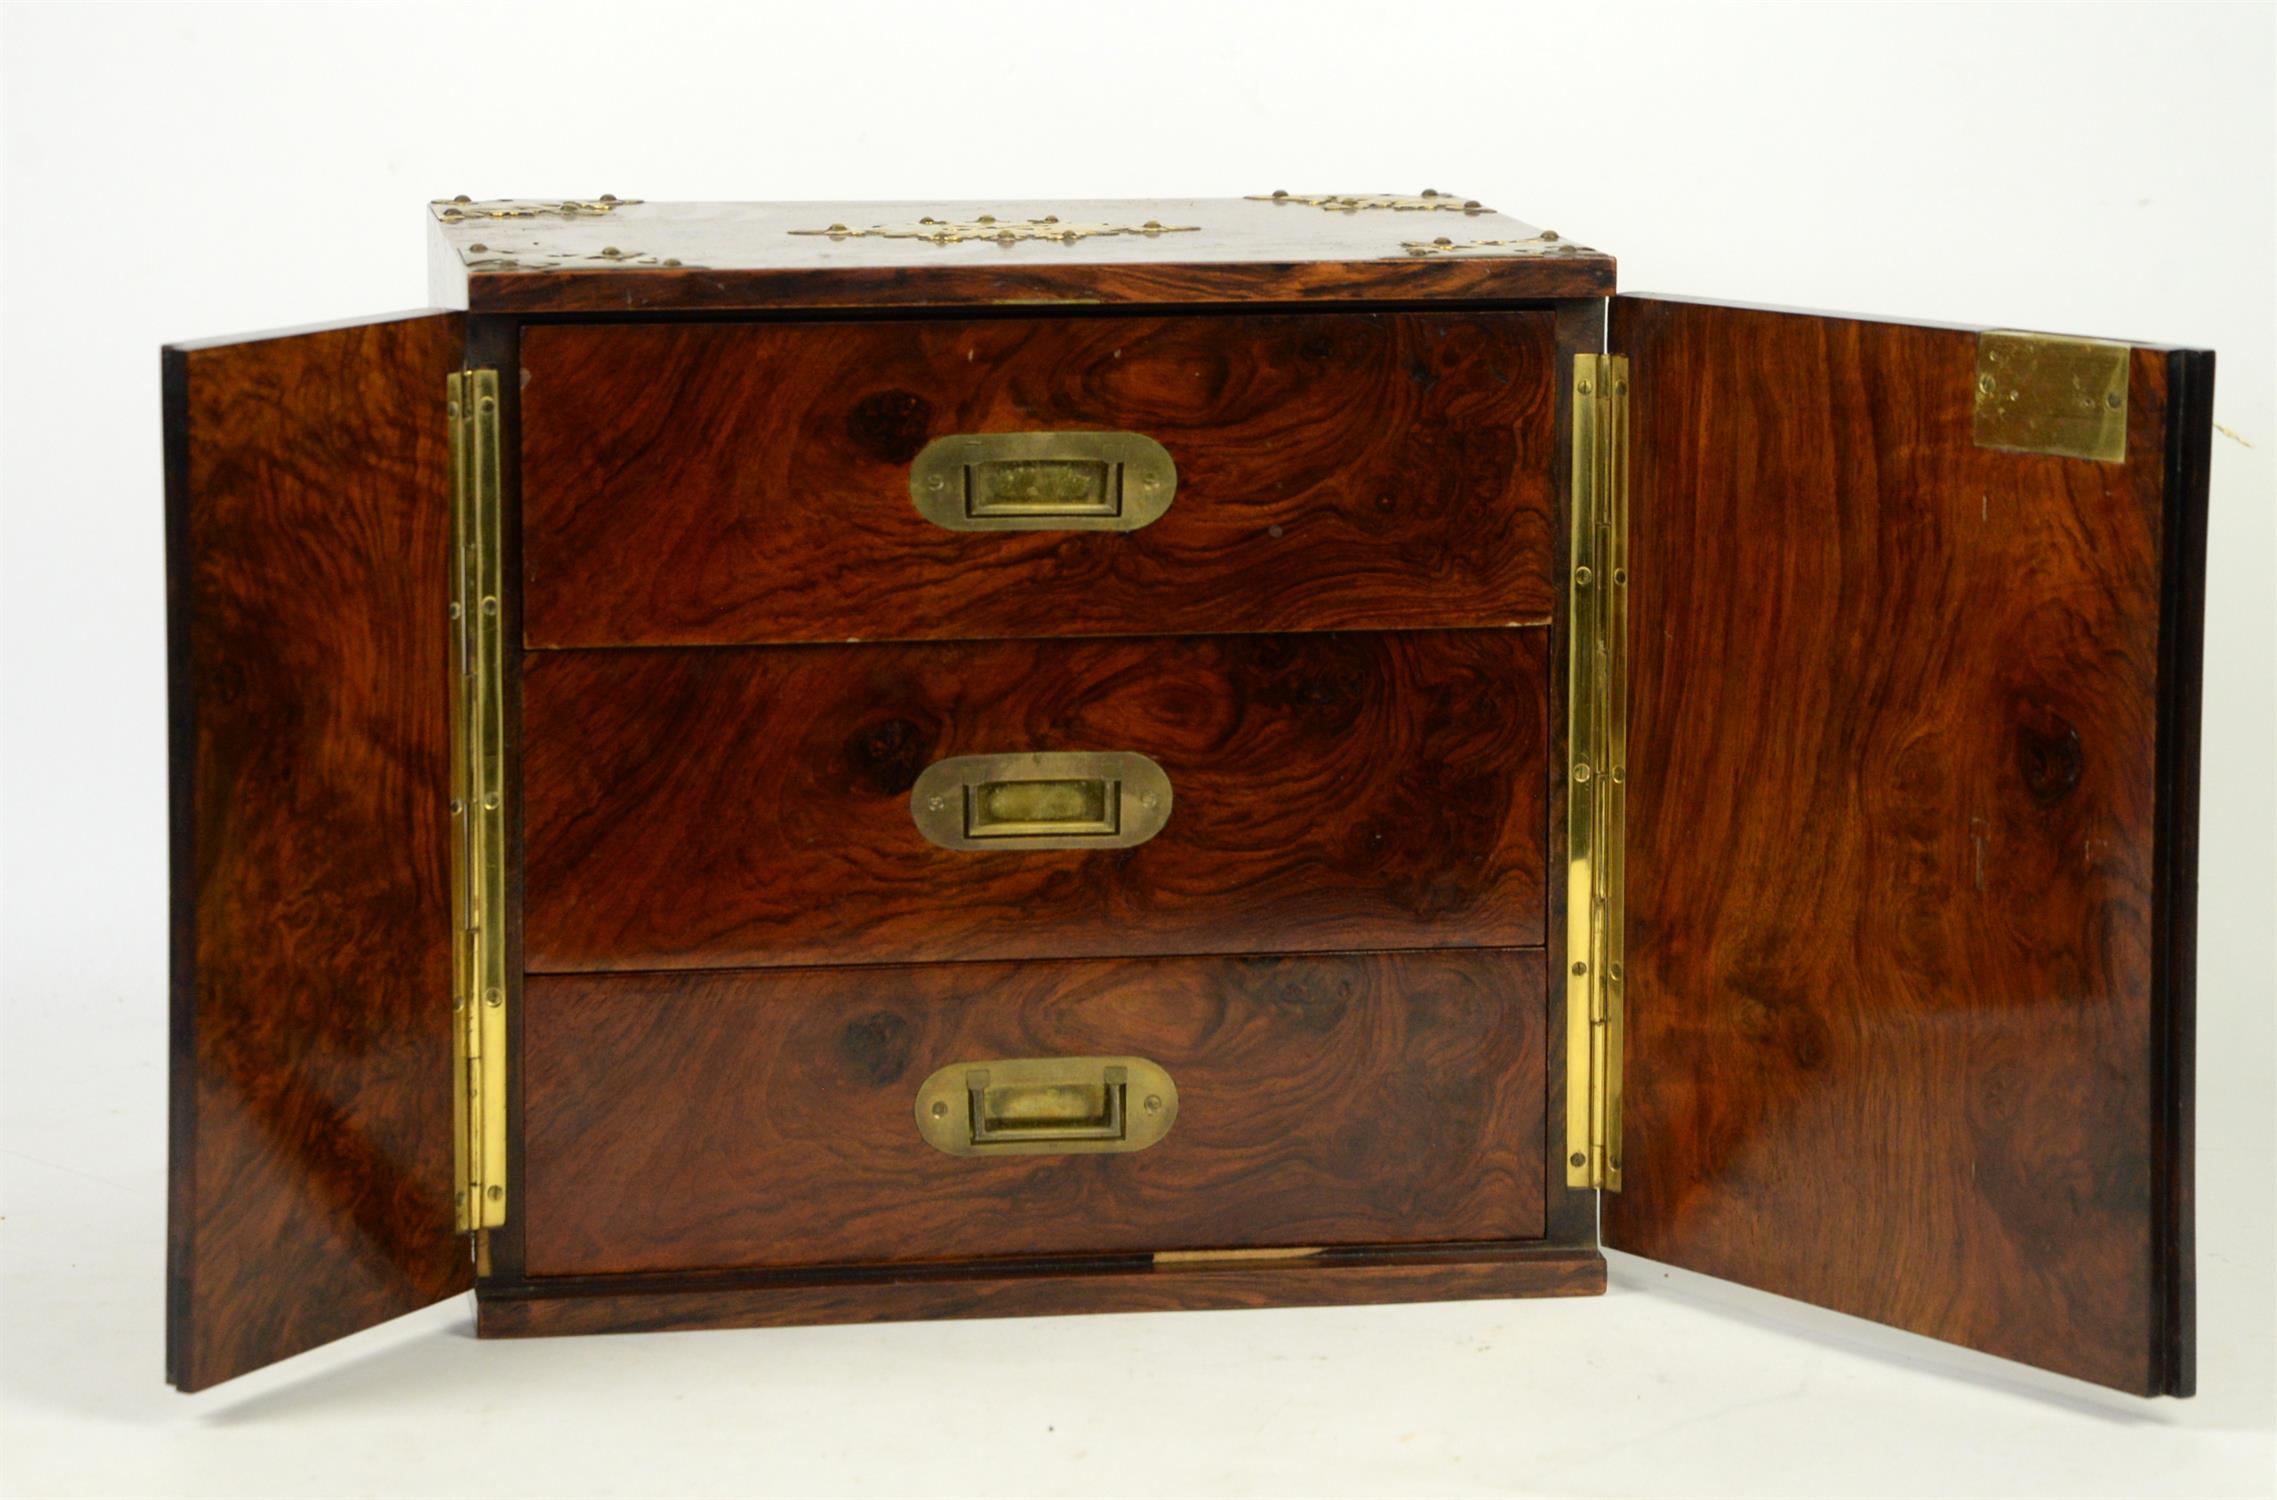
{"points": [[1203, 1257]]}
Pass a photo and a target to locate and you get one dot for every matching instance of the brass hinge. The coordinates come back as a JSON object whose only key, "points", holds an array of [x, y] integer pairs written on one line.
{"points": [[1597, 741], [478, 807]]}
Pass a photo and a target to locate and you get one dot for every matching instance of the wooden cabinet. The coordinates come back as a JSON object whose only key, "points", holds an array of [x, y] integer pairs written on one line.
{"points": [[798, 762]]}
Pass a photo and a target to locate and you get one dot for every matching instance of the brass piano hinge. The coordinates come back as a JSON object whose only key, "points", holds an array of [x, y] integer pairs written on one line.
{"points": [[1597, 768], [478, 807]]}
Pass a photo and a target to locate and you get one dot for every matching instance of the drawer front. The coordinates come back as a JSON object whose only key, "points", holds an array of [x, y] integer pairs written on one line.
{"points": [[686, 1122], [732, 809], [751, 483]]}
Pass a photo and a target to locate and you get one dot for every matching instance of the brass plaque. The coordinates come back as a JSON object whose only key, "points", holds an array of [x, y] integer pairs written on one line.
{"points": [[1043, 481], [1112, 799], [2040, 394], [1046, 1106]]}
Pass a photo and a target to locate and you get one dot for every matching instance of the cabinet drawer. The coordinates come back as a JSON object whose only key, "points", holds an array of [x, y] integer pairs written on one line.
{"points": [[686, 1122], [691, 484], [757, 807]]}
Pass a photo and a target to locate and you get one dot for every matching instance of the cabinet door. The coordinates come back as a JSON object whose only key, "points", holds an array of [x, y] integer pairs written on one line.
{"points": [[308, 540], [1912, 811]]}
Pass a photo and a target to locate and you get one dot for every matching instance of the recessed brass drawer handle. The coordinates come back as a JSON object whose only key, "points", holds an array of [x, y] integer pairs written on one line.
{"points": [[1110, 799], [1043, 481], [1036, 1106]]}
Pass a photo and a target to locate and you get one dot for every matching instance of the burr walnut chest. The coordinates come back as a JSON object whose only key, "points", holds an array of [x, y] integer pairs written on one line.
{"points": [[780, 763]]}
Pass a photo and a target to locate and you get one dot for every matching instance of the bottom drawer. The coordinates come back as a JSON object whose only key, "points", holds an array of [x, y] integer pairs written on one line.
{"points": [[727, 1120]]}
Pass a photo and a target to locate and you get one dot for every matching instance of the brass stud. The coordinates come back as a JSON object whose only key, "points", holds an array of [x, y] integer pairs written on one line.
{"points": [[462, 198], [1549, 236], [1579, 1158], [940, 1109], [607, 198], [1280, 192], [672, 260], [1581, 770], [2111, 399], [496, 1193], [1580, 966], [478, 246], [1581, 577], [1154, 1104], [1581, 388]]}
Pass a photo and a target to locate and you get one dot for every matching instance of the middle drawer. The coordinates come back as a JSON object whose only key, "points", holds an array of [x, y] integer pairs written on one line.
{"points": [[753, 807]]}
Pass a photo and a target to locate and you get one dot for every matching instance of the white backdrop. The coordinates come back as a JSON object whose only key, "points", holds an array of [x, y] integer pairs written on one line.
{"points": [[186, 171]]}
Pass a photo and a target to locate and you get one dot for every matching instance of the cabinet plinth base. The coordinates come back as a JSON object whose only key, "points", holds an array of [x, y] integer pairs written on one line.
{"points": [[648, 1304]]}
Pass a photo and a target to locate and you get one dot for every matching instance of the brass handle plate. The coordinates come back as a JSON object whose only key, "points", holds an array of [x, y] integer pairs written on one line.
{"points": [[1112, 799], [1043, 481], [1039, 1106]]}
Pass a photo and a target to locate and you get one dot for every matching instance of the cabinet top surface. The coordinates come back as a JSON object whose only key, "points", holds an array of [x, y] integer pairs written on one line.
{"points": [[617, 255]]}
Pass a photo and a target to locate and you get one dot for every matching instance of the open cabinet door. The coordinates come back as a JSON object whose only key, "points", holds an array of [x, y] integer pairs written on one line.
{"points": [[308, 510], [1912, 812]]}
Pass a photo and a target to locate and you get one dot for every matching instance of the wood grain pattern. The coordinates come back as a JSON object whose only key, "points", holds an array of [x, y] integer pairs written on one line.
{"points": [[686, 1122], [731, 808], [719, 484], [1050, 1288], [744, 256], [1899, 1016], [308, 511]]}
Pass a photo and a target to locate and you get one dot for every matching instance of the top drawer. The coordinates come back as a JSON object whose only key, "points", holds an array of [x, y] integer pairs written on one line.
{"points": [[717, 484]]}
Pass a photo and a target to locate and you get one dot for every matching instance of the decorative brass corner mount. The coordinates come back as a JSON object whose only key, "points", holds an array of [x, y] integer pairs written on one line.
{"points": [[1431, 200], [483, 258], [462, 208], [1545, 243], [990, 228]]}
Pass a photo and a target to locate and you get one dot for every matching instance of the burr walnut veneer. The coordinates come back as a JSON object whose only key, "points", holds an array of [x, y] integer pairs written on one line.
{"points": [[820, 762]]}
